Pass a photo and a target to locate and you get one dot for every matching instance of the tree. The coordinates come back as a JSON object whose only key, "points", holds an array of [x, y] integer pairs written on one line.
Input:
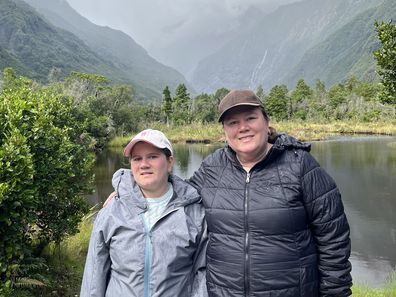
{"points": [[320, 89], [181, 106], [10, 79], [45, 167], [205, 111], [317, 106], [301, 92], [98, 105], [219, 95], [300, 98], [277, 102], [84, 85], [167, 104], [386, 60], [337, 95], [216, 98], [260, 93]]}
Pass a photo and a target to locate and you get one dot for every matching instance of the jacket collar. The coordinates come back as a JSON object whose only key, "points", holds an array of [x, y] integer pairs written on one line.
{"points": [[282, 142], [126, 187]]}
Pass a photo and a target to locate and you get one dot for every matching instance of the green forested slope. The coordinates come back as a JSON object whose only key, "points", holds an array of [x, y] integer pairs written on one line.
{"points": [[9, 60], [39, 46], [141, 69], [348, 52], [32, 45]]}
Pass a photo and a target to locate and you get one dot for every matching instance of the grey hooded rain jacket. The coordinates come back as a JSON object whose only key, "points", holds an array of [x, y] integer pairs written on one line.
{"points": [[126, 259]]}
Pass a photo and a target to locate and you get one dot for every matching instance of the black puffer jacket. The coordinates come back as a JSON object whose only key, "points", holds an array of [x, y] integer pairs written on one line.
{"points": [[279, 230]]}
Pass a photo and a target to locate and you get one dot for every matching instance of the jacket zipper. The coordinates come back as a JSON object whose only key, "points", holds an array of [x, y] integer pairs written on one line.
{"points": [[147, 259], [246, 205], [148, 251]]}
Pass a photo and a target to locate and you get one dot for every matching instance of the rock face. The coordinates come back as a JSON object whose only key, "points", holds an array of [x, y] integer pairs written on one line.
{"points": [[270, 52]]}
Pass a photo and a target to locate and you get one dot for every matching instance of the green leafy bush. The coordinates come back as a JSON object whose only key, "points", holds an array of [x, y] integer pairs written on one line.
{"points": [[45, 167]]}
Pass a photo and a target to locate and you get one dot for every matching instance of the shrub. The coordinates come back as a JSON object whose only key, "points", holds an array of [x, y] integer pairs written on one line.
{"points": [[45, 166]]}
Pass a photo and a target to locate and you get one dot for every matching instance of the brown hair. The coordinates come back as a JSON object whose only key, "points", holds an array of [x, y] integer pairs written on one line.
{"points": [[166, 152]]}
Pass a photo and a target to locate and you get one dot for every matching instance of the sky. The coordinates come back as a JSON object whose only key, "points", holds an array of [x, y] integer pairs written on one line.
{"points": [[177, 33]]}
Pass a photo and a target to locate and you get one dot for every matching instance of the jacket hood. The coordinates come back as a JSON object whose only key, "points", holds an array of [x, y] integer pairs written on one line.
{"points": [[126, 187], [284, 141]]}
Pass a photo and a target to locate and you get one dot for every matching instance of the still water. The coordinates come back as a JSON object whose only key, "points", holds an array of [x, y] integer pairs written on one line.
{"points": [[365, 171]]}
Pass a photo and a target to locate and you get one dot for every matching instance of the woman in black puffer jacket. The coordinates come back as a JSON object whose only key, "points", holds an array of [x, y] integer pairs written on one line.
{"points": [[275, 218]]}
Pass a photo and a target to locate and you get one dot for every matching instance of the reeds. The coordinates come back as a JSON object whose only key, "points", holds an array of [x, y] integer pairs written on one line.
{"points": [[302, 130]]}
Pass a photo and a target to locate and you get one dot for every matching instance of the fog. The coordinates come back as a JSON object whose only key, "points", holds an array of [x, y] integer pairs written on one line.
{"points": [[177, 33]]}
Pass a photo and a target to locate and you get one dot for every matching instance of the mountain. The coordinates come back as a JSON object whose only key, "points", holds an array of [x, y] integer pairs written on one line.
{"points": [[347, 52], [193, 38], [121, 49], [36, 40], [265, 54], [32, 45], [7, 59]]}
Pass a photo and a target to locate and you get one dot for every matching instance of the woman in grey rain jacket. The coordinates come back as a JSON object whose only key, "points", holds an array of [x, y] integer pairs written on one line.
{"points": [[151, 239]]}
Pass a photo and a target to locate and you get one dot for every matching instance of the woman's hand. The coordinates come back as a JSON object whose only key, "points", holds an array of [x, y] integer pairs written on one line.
{"points": [[111, 197]]}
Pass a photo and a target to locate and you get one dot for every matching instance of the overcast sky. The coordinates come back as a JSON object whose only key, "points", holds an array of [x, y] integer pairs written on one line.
{"points": [[158, 25]]}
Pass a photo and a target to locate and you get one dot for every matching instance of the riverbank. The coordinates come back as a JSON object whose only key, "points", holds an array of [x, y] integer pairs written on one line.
{"points": [[304, 131]]}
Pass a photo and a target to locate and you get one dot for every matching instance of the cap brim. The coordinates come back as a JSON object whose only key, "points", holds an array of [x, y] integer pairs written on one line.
{"points": [[131, 144], [236, 105]]}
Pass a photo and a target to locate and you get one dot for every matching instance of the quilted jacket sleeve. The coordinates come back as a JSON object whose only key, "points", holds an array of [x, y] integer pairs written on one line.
{"points": [[329, 226], [198, 178]]}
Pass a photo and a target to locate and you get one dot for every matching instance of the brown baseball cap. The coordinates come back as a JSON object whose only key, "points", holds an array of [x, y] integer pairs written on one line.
{"points": [[237, 98]]}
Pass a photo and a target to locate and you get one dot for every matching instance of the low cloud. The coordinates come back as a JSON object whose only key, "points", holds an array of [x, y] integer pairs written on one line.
{"points": [[162, 26]]}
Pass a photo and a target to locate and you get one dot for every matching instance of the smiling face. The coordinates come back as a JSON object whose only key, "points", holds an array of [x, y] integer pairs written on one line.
{"points": [[150, 169], [246, 131]]}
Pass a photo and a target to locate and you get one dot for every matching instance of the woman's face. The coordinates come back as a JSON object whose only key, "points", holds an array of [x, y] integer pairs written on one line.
{"points": [[246, 131], [150, 168]]}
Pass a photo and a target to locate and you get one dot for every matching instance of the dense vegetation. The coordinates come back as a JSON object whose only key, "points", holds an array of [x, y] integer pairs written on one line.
{"points": [[45, 166], [48, 133]]}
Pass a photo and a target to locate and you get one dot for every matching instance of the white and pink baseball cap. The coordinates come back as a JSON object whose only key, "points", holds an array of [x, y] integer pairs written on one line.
{"points": [[154, 137]]}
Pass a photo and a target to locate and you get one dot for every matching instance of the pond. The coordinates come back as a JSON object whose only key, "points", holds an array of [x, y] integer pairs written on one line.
{"points": [[365, 171]]}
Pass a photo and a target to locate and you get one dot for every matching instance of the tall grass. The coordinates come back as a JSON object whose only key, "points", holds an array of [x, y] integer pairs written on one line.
{"points": [[65, 264], [302, 130], [388, 291], [195, 132]]}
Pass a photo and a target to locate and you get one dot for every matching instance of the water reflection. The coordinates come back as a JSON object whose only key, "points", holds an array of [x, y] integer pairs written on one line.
{"points": [[364, 169], [188, 158]]}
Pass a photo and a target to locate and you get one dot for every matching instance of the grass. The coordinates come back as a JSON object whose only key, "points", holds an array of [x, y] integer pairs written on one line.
{"points": [[65, 265], [302, 130], [388, 291], [195, 132], [319, 131]]}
